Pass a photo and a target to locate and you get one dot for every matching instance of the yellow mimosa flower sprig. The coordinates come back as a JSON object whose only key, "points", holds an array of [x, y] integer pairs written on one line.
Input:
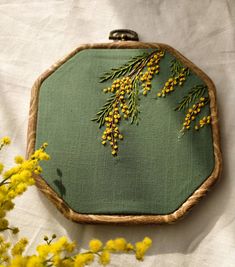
{"points": [[4, 250], [124, 101], [4, 141], [198, 96], [179, 74], [63, 252], [202, 122], [15, 181], [193, 113]]}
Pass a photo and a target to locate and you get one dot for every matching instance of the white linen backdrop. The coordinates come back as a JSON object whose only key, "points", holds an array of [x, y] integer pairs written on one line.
{"points": [[34, 34]]}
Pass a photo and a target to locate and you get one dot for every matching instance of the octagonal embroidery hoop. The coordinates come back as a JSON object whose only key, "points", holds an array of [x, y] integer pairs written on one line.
{"points": [[119, 218]]}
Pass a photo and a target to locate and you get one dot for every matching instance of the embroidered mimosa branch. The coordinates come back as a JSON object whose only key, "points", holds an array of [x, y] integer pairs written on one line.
{"points": [[193, 112], [124, 102], [196, 92], [198, 95], [178, 76], [177, 67]]}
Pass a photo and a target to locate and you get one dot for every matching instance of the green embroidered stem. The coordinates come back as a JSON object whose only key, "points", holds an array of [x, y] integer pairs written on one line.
{"points": [[141, 65], [196, 92], [133, 104]]}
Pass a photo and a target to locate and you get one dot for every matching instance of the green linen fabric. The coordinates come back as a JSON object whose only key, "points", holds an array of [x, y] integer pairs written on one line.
{"points": [[155, 170]]}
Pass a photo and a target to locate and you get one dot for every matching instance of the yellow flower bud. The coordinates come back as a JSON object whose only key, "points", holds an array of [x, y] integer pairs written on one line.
{"points": [[114, 152], [19, 159], [95, 245], [105, 257], [1, 167], [120, 244], [5, 140]]}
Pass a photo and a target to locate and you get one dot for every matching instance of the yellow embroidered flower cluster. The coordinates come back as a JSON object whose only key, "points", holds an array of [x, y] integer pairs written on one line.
{"points": [[121, 87], [193, 113], [153, 68], [172, 82], [205, 120]]}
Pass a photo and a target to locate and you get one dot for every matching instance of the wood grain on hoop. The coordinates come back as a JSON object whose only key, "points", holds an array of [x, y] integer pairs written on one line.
{"points": [[127, 219]]}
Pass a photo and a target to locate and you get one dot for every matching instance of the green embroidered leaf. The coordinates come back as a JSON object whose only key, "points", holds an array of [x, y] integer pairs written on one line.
{"points": [[104, 111], [134, 104], [177, 67], [124, 69], [207, 100], [196, 92]]}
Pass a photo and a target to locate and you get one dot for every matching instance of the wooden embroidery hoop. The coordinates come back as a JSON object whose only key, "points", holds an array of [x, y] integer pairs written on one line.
{"points": [[127, 219]]}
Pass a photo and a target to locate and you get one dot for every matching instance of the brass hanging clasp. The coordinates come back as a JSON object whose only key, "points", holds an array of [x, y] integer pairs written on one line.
{"points": [[123, 35]]}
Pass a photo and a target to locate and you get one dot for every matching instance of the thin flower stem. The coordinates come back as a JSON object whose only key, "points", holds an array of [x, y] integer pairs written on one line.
{"points": [[4, 180]]}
